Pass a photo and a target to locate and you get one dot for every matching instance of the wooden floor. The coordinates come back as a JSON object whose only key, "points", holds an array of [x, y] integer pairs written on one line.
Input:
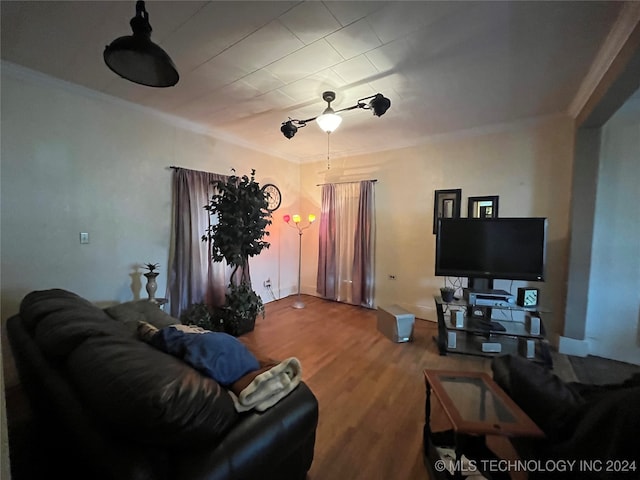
{"points": [[370, 390]]}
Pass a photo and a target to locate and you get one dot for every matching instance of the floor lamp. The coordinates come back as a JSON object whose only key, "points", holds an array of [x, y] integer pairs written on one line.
{"points": [[296, 224]]}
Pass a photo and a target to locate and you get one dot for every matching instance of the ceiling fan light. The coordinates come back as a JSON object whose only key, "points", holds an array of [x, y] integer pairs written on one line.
{"points": [[139, 60], [329, 120], [379, 104]]}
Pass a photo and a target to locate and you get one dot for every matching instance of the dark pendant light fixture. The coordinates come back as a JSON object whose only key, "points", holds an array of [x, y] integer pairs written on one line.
{"points": [[137, 58], [330, 120]]}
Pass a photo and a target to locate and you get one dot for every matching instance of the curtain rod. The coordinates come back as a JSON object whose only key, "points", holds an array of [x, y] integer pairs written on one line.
{"points": [[173, 167], [340, 183]]}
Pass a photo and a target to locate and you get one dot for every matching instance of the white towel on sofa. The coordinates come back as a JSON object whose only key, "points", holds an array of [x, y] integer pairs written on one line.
{"points": [[269, 387]]}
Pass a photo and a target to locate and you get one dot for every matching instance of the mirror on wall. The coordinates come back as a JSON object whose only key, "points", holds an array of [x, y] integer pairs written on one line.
{"points": [[483, 207], [446, 204]]}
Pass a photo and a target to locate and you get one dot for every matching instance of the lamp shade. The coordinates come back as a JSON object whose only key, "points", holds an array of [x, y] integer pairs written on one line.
{"points": [[136, 58], [288, 129], [329, 120], [380, 104], [312, 218], [296, 219]]}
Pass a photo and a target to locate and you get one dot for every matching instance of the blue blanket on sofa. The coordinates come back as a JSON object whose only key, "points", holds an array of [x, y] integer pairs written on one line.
{"points": [[214, 354]]}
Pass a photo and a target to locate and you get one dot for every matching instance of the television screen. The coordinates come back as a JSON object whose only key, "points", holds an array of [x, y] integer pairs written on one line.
{"points": [[495, 248]]}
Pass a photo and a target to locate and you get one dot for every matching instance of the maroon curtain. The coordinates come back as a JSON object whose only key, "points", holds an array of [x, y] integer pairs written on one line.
{"points": [[327, 267], [363, 276], [337, 202], [193, 277]]}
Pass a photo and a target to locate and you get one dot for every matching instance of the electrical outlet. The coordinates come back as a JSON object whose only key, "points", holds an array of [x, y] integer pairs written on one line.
{"points": [[84, 237], [267, 283], [392, 277]]}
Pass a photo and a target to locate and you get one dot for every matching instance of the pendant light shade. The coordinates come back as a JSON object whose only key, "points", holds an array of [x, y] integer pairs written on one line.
{"points": [[379, 104], [328, 121], [137, 58]]}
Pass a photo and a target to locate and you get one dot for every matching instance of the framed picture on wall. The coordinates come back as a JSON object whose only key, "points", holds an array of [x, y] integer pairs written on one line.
{"points": [[446, 204], [483, 207]]}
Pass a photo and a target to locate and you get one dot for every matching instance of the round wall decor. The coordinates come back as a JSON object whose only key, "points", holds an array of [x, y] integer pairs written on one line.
{"points": [[275, 199]]}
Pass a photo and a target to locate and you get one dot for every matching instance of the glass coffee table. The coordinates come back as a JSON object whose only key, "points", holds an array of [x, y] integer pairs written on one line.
{"points": [[475, 406]]}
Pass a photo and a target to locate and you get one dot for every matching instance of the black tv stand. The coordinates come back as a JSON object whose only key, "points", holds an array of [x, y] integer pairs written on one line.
{"points": [[488, 337], [490, 326], [474, 283]]}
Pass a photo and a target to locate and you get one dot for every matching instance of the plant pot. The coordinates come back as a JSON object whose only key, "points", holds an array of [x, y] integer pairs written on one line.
{"points": [[151, 286], [240, 326], [234, 324], [447, 294]]}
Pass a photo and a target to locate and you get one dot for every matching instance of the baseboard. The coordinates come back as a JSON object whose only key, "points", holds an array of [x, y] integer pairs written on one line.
{"points": [[573, 346]]}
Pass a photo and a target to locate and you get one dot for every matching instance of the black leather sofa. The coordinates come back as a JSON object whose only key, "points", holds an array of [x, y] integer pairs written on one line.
{"points": [[594, 426], [109, 406]]}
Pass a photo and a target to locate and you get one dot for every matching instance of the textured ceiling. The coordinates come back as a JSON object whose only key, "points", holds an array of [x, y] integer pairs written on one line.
{"points": [[245, 67]]}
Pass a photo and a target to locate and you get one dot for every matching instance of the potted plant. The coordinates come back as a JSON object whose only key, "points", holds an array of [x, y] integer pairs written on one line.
{"points": [[447, 294], [201, 315], [242, 218]]}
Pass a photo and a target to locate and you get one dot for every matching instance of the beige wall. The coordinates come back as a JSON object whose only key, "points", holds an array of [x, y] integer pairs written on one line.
{"points": [[528, 165], [73, 161], [613, 301]]}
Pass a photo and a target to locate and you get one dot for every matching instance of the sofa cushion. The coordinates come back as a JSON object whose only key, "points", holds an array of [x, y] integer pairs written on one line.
{"points": [[59, 320], [39, 303], [606, 428], [141, 392], [543, 396], [130, 313], [60, 332]]}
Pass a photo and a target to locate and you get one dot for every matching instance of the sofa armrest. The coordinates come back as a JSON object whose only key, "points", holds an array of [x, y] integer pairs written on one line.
{"points": [[275, 444], [65, 425]]}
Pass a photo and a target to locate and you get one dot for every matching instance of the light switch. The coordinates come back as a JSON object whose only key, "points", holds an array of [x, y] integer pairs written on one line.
{"points": [[84, 237]]}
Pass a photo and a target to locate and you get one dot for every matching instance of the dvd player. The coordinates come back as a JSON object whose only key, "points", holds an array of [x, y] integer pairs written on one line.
{"points": [[489, 298]]}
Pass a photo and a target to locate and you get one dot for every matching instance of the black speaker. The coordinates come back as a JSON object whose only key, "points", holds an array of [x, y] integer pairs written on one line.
{"points": [[527, 297]]}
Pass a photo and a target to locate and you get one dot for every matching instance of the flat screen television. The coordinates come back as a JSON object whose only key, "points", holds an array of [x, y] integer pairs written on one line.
{"points": [[493, 248]]}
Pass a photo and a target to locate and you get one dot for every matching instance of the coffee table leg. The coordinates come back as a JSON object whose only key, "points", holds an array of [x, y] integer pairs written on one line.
{"points": [[429, 443], [483, 394], [427, 420]]}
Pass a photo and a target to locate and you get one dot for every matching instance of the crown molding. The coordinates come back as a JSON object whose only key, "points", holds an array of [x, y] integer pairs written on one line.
{"points": [[478, 131], [21, 73], [628, 19]]}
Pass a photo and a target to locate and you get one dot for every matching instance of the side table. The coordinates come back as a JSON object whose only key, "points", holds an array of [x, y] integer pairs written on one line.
{"points": [[475, 406], [160, 302]]}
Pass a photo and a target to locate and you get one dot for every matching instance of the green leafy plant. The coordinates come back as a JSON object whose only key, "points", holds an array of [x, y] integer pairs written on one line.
{"points": [[151, 266], [201, 315], [238, 234]]}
